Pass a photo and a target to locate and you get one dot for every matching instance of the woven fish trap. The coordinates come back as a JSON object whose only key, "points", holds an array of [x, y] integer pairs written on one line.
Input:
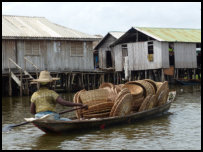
{"points": [[163, 97], [106, 84], [135, 90], [118, 98], [100, 115], [153, 83], [124, 107], [106, 106], [147, 87], [118, 88], [152, 102], [163, 86], [78, 100], [158, 84], [137, 103], [94, 95], [145, 103]]}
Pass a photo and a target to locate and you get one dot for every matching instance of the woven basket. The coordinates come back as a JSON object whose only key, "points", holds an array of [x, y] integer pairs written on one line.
{"points": [[105, 84], [78, 100], [100, 115], [135, 90], [152, 102], [145, 103], [147, 87], [137, 103], [94, 95], [118, 88], [158, 84], [153, 83], [98, 108], [162, 86], [124, 107], [118, 98], [163, 97]]}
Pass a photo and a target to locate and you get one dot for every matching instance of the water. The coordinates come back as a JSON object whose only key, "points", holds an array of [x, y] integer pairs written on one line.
{"points": [[179, 129]]}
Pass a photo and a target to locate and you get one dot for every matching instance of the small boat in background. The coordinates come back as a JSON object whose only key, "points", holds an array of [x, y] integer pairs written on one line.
{"points": [[188, 82]]}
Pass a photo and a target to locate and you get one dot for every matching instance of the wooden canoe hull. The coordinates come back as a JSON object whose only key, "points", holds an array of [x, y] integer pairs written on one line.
{"points": [[53, 126]]}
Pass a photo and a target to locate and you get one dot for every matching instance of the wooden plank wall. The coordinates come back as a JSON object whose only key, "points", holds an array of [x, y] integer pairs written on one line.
{"points": [[185, 55], [102, 51], [8, 51], [49, 58], [118, 58], [165, 54], [138, 56]]}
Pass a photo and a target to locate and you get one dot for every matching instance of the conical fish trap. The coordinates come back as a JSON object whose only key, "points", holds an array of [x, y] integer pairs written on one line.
{"points": [[124, 107], [94, 95], [135, 90]]}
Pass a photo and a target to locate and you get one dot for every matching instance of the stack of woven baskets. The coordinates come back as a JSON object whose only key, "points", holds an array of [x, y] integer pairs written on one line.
{"points": [[120, 100]]}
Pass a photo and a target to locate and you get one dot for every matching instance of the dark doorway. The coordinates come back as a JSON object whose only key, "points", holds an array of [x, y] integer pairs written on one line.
{"points": [[96, 60], [171, 54], [108, 59]]}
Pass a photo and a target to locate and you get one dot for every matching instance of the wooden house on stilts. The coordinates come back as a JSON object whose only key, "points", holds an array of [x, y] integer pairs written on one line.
{"points": [[31, 44], [158, 53]]}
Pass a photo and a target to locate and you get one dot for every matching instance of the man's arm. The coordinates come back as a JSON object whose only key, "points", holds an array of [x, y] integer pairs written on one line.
{"points": [[33, 108], [68, 103]]}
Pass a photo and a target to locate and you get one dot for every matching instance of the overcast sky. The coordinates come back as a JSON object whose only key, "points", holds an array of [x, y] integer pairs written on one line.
{"points": [[102, 17]]}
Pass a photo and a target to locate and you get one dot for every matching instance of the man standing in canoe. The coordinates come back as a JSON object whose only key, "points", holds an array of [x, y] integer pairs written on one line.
{"points": [[44, 100]]}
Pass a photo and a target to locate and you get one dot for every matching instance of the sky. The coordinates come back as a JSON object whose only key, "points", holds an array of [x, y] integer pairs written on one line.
{"points": [[99, 18]]}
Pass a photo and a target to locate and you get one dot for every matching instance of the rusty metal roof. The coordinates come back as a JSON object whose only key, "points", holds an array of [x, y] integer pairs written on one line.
{"points": [[172, 34], [38, 28]]}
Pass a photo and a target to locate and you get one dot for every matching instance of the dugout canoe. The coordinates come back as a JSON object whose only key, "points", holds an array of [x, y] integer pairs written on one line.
{"points": [[58, 126]]}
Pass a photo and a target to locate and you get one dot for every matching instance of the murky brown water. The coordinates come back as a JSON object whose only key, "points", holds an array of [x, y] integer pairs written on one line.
{"points": [[180, 129]]}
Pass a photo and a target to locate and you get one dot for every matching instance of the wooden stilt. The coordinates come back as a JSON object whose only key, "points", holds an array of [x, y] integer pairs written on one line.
{"points": [[10, 84]]}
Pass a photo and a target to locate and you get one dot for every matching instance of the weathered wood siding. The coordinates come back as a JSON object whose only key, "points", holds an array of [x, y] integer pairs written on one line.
{"points": [[185, 55], [118, 58], [165, 54], [102, 51], [8, 51], [138, 56], [48, 57]]}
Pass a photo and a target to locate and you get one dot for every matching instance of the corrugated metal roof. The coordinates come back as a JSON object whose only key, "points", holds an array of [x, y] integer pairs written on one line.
{"points": [[116, 34], [38, 27], [172, 34]]}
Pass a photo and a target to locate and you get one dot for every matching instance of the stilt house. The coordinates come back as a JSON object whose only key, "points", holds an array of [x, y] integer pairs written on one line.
{"points": [[158, 48], [105, 54], [47, 45]]}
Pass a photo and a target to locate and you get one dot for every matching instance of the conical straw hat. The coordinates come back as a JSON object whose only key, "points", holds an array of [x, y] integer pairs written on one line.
{"points": [[45, 77]]}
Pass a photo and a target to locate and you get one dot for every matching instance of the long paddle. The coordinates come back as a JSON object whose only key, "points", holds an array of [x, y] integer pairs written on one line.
{"points": [[9, 127]]}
